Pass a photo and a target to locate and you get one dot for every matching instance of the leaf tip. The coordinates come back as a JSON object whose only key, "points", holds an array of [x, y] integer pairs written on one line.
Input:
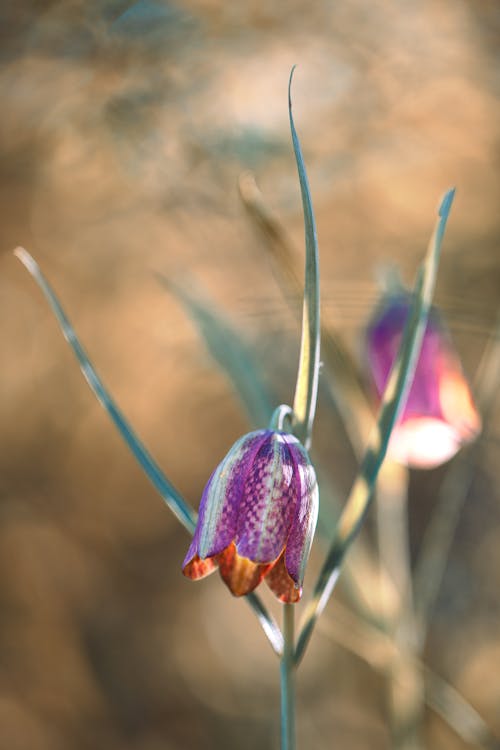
{"points": [[290, 86], [444, 208], [25, 258]]}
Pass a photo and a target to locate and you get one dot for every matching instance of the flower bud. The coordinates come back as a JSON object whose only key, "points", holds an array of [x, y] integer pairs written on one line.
{"points": [[257, 516]]}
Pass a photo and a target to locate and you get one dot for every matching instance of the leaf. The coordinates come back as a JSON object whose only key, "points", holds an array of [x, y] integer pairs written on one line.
{"points": [[171, 497], [341, 380], [228, 350], [182, 511], [306, 389]]}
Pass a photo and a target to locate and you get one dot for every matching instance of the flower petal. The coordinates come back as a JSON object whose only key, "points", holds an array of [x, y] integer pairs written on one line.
{"points": [[269, 501], [457, 406], [197, 568], [301, 534], [439, 414], [221, 498], [195, 542], [384, 337], [281, 584], [240, 574], [423, 442]]}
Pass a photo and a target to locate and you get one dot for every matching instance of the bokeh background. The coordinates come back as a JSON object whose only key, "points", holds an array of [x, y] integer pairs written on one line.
{"points": [[124, 129]]}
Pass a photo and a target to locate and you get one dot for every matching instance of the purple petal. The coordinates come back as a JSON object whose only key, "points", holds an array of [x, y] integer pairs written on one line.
{"points": [[301, 534], [384, 336], [195, 542], [221, 498], [193, 549], [268, 502]]}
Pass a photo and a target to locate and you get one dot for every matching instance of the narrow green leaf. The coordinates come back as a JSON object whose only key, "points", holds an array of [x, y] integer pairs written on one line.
{"points": [[394, 398], [306, 390], [228, 350], [170, 495], [342, 382], [182, 511]]}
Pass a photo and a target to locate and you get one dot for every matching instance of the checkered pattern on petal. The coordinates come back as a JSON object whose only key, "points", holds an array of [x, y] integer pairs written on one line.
{"points": [[268, 502]]}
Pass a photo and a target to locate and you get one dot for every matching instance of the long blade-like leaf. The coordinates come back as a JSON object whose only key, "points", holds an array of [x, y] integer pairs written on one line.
{"points": [[306, 390], [340, 376], [228, 350], [170, 495], [182, 511], [394, 398]]}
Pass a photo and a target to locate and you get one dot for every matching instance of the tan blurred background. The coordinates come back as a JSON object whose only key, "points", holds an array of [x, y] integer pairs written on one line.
{"points": [[123, 132]]}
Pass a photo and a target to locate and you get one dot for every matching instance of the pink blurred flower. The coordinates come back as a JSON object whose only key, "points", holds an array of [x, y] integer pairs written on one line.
{"points": [[439, 415]]}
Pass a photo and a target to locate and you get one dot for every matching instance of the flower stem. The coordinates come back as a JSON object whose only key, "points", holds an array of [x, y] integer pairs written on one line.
{"points": [[287, 675], [281, 418], [405, 676]]}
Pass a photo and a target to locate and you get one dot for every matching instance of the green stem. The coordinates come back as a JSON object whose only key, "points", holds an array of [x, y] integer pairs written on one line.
{"points": [[405, 676], [281, 418], [287, 677]]}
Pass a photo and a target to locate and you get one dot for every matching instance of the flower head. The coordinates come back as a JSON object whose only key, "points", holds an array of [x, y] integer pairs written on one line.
{"points": [[257, 516], [439, 415]]}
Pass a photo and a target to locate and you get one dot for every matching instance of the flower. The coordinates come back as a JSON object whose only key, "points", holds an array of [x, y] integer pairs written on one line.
{"points": [[257, 516], [439, 415]]}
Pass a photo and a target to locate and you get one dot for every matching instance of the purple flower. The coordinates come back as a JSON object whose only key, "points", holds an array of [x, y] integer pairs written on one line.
{"points": [[257, 516], [439, 415]]}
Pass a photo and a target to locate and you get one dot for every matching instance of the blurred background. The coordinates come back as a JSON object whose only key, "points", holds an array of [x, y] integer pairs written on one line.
{"points": [[125, 128]]}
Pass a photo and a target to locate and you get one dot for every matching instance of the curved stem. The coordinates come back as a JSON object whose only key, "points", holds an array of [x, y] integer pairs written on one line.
{"points": [[360, 497], [281, 415], [287, 679]]}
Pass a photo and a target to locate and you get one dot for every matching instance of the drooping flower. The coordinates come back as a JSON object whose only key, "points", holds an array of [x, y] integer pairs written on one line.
{"points": [[257, 516], [439, 415]]}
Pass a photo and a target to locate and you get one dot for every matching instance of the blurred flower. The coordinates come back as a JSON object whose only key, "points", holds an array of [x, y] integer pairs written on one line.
{"points": [[257, 516], [439, 415]]}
